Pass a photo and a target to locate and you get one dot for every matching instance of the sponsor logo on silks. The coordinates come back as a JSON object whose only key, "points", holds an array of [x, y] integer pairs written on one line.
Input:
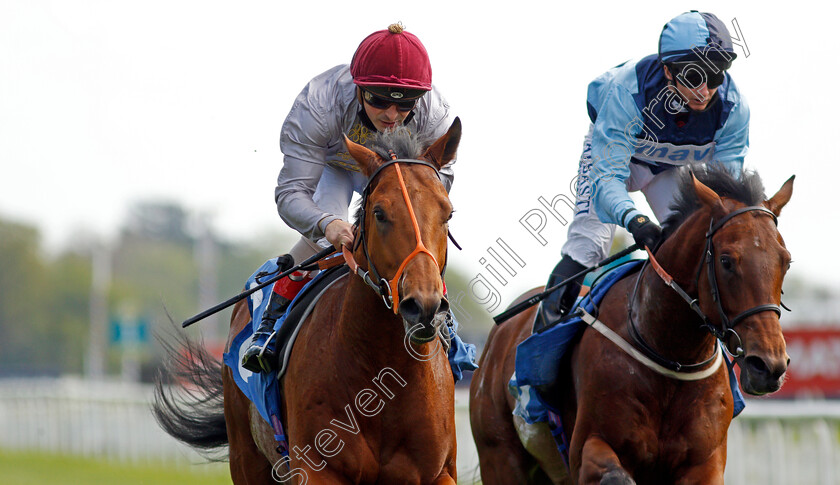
{"points": [[670, 154], [583, 184]]}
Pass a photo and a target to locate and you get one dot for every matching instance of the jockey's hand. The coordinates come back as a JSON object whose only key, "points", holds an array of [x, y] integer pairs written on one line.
{"points": [[339, 233], [645, 232]]}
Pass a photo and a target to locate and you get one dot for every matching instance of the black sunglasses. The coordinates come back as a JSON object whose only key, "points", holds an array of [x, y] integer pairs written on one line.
{"points": [[693, 75], [379, 102]]}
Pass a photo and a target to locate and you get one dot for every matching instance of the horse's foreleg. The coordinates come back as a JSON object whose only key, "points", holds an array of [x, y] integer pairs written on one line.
{"points": [[501, 464], [445, 480], [325, 476], [600, 465], [709, 473], [704, 477]]}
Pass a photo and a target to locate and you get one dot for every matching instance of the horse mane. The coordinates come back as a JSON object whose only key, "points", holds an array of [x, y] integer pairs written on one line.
{"points": [[747, 189], [402, 142]]}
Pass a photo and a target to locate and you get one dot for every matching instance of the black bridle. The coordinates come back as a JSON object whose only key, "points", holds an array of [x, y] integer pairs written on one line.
{"points": [[727, 325]]}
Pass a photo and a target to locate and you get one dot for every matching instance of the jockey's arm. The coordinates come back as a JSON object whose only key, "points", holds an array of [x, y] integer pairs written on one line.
{"points": [[447, 176], [613, 143], [304, 139], [433, 120], [293, 195], [732, 140]]}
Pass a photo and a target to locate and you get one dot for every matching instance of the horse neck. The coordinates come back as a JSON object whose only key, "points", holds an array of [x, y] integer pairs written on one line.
{"points": [[664, 319], [366, 327]]}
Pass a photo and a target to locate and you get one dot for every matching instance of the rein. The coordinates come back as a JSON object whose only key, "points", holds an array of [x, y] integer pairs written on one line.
{"points": [[388, 290], [727, 325]]}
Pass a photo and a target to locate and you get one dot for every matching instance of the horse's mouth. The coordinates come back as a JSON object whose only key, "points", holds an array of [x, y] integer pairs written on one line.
{"points": [[424, 334], [420, 333], [760, 391]]}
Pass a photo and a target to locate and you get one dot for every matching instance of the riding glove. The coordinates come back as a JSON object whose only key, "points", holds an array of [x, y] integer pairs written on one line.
{"points": [[645, 232]]}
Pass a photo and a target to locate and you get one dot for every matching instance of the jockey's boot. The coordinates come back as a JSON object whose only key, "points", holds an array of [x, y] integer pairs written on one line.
{"points": [[560, 301], [260, 355]]}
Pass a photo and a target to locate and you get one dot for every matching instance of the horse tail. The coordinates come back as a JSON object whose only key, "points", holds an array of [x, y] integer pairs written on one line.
{"points": [[188, 398]]}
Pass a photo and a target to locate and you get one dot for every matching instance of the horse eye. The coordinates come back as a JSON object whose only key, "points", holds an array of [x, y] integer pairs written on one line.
{"points": [[379, 214], [450, 216], [726, 262]]}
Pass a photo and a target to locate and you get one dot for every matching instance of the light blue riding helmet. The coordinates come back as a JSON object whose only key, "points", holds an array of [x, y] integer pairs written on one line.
{"points": [[692, 35]]}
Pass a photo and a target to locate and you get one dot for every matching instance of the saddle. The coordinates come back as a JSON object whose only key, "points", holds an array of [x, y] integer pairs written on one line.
{"points": [[538, 356], [263, 389], [288, 325]]}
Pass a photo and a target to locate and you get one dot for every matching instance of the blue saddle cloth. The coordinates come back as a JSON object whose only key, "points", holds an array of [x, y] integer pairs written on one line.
{"points": [[263, 389], [538, 357]]}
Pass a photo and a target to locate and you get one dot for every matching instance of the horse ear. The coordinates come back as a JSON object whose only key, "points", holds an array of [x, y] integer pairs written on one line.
{"points": [[444, 148], [781, 198], [707, 196], [367, 159]]}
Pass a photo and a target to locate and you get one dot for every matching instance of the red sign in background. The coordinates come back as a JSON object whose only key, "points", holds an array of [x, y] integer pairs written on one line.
{"points": [[814, 369]]}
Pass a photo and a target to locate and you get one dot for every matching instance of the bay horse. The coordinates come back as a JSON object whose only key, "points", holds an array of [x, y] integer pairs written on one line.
{"points": [[367, 397], [625, 422]]}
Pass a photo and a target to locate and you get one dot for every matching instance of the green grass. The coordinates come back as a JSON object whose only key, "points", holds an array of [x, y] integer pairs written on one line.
{"points": [[31, 468]]}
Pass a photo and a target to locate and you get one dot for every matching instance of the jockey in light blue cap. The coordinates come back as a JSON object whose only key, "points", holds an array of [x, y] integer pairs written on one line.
{"points": [[648, 117], [694, 33]]}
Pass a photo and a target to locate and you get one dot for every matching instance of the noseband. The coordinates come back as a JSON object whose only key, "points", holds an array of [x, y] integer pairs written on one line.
{"points": [[727, 324], [388, 290]]}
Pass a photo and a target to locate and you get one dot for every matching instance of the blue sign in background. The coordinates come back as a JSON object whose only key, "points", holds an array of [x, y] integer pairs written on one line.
{"points": [[129, 332]]}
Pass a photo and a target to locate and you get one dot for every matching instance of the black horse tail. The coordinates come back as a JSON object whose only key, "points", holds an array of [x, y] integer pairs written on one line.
{"points": [[188, 401]]}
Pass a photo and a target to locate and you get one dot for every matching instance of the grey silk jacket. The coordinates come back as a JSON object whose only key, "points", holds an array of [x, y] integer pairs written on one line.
{"points": [[312, 137]]}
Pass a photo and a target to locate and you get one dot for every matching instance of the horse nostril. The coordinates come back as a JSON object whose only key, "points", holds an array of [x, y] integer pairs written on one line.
{"points": [[443, 307], [756, 365], [414, 311], [410, 310]]}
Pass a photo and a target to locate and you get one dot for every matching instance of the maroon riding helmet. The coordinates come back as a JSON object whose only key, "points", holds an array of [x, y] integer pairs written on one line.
{"points": [[393, 64]]}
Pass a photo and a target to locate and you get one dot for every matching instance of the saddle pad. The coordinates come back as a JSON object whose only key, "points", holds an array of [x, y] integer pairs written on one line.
{"points": [[263, 389], [538, 357]]}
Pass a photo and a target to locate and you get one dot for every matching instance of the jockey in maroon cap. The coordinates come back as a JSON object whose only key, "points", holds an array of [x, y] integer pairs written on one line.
{"points": [[387, 84]]}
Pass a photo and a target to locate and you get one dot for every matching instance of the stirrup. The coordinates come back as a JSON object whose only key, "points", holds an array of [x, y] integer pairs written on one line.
{"points": [[263, 357]]}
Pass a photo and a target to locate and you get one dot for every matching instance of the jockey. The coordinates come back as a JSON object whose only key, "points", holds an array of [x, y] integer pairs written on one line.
{"points": [[648, 117], [388, 83]]}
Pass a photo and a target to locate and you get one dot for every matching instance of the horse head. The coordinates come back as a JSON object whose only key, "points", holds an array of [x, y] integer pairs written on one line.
{"points": [[739, 280], [402, 226]]}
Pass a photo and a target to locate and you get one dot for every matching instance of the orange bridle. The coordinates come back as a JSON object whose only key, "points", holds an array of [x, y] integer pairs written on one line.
{"points": [[389, 289]]}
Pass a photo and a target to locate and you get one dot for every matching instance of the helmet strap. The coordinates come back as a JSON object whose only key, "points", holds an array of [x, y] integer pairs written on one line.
{"points": [[363, 117]]}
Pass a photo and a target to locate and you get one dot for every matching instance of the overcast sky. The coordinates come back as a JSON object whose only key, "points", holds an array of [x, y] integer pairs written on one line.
{"points": [[106, 103]]}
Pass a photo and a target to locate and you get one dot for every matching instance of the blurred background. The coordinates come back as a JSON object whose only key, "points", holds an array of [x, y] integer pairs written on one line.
{"points": [[139, 153]]}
